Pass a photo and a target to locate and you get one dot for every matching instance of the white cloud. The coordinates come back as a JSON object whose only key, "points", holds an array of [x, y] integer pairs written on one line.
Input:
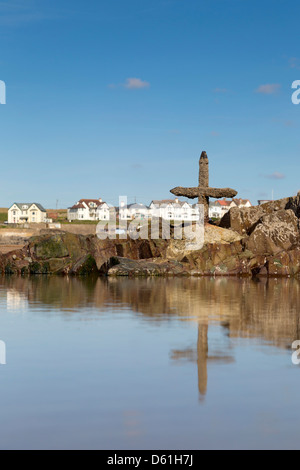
{"points": [[136, 166], [131, 84], [268, 89], [221, 90], [262, 194], [289, 124], [275, 176], [294, 63], [136, 84], [18, 12]]}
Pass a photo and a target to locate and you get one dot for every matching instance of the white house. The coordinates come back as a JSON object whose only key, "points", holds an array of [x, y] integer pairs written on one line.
{"points": [[89, 209], [263, 201], [242, 202], [133, 211], [219, 207], [20, 213], [173, 209], [103, 211]]}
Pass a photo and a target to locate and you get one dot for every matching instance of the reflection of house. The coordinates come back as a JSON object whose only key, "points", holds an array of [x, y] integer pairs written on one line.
{"points": [[133, 211], [219, 207], [173, 209], [89, 209], [16, 300], [32, 212]]}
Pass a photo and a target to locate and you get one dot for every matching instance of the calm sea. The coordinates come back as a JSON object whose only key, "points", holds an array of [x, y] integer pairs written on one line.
{"points": [[148, 363]]}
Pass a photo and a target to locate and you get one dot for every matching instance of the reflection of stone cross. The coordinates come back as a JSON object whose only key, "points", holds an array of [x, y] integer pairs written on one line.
{"points": [[203, 192]]}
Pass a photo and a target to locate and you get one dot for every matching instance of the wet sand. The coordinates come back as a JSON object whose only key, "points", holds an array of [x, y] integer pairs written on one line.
{"points": [[7, 248]]}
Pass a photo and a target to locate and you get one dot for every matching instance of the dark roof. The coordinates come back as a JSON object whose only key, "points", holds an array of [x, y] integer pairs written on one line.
{"points": [[168, 201], [239, 201], [87, 201], [80, 205], [136, 205], [77, 206], [29, 204]]}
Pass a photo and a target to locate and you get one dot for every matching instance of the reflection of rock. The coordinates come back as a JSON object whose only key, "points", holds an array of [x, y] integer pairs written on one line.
{"points": [[129, 267], [266, 309]]}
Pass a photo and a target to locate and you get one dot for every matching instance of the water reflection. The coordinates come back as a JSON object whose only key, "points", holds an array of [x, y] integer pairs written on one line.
{"points": [[202, 356], [16, 300], [267, 309]]}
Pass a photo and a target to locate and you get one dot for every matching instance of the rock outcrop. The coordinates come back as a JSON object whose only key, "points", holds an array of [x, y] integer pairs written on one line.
{"points": [[244, 220], [67, 253], [259, 241], [274, 233]]}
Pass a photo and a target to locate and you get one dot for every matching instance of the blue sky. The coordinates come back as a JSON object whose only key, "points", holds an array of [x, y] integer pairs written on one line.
{"points": [[109, 98]]}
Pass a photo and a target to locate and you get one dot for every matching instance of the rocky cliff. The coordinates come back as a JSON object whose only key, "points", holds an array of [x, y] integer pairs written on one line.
{"points": [[256, 241]]}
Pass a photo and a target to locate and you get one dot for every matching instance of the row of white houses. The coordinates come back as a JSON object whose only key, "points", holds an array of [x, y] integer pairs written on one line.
{"points": [[169, 209], [97, 209]]}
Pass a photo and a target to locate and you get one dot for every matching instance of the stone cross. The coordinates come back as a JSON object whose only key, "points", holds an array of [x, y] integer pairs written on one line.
{"points": [[203, 192]]}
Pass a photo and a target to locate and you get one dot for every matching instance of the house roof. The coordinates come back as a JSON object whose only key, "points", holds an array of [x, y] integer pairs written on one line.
{"points": [[264, 201], [81, 202], [223, 202], [97, 201], [165, 202], [87, 201], [137, 205], [29, 204], [77, 206], [240, 201]]}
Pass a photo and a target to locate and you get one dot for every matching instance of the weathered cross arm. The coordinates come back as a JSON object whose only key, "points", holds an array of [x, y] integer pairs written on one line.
{"points": [[193, 193], [186, 192]]}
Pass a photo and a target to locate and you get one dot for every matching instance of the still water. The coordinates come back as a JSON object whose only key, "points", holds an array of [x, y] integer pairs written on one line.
{"points": [[149, 363]]}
